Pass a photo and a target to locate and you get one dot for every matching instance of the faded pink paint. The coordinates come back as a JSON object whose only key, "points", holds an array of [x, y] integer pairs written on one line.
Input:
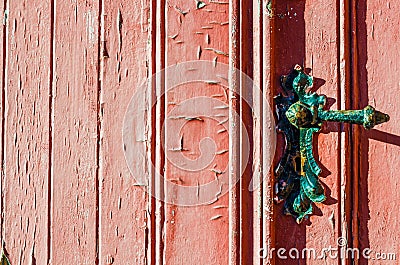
{"points": [[187, 228], [26, 147], [378, 85], [74, 133], [124, 211]]}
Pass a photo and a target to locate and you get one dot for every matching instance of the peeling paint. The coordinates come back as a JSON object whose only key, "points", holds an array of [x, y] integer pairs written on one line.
{"points": [[90, 27], [216, 217]]}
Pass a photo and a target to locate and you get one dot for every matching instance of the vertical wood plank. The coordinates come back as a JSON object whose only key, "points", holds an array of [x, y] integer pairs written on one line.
{"points": [[75, 133], [234, 133], [3, 56], [124, 216], [157, 183], [269, 139], [376, 52], [246, 134], [202, 35], [257, 201], [26, 132], [344, 102], [355, 130]]}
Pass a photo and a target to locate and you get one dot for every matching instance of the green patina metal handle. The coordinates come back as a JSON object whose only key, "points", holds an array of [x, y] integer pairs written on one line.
{"points": [[368, 117], [300, 115]]}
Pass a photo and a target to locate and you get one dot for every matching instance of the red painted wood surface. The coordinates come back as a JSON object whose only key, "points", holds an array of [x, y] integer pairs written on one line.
{"points": [[74, 153], [26, 132], [377, 50], [124, 212], [69, 71], [198, 31]]}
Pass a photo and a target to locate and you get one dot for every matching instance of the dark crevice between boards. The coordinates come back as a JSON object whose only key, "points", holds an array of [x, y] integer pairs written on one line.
{"points": [[3, 120]]}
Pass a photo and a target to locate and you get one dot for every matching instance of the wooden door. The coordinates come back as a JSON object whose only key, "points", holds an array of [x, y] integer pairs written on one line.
{"points": [[142, 132]]}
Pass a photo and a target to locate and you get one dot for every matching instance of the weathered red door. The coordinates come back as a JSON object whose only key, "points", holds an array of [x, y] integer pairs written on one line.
{"points": [[142, 132]]}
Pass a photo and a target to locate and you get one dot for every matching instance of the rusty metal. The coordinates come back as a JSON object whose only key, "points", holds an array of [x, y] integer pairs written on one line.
{"points": [[300, 115]]}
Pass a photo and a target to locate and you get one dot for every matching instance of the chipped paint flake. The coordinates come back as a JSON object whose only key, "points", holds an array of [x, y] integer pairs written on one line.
{"points": [[216, 217], [212, 82], [207, 39], [173, 36], [217, 51], [5, 17], [199, 52], [90, 27], [181, 11], [219, 2], [200, 4], [215, 61], [216, 171], [221, 152], [222, 131]]}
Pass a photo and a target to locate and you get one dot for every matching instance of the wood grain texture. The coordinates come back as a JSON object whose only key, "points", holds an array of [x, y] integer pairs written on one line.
{"points": [[268, 142], [124, 217], [234, 134], [26, 132], [201, 230], [3, 61], [343, 98], [74, 223], [377, 51], [157, 186], [257, 199], [247, 213], [259, 227]]}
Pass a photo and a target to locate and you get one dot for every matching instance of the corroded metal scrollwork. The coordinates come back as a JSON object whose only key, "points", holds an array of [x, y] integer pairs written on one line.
{"points": [[300, 115]]}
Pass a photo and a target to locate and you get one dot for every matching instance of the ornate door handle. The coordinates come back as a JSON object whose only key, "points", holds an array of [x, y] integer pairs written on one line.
{"points": [[300, 115]]}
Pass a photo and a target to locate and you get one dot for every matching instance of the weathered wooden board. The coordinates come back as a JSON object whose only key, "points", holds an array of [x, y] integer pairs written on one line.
{"points": [[377, 159], [74, 200], [25, 178], [262, 135], [124, 216], [3, 53], [196, 35]]}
